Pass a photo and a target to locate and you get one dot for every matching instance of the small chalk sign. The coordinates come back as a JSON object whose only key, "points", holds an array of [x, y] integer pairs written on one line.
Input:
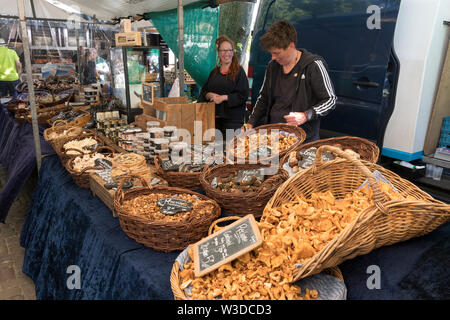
{"points": [[147, 93], [226, 245], [171, 206]]}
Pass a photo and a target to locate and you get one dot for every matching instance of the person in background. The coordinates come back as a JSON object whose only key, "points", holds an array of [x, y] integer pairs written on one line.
{"points": [[227, 87], [297, 88], [90, 73], [10, 69], [102, 68]]}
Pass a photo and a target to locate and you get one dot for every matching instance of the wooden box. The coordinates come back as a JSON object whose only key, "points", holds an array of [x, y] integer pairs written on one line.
{"points": [[128, 39], [97, 187], [182, 114], [125, 25]]}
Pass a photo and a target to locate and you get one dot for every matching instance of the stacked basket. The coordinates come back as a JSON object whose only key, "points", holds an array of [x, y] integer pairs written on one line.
{"points": [[59, 132], [241, 204], [268, 129], [384, 223], [187, 180], [162, 235], [81, 178], [176, 280]]}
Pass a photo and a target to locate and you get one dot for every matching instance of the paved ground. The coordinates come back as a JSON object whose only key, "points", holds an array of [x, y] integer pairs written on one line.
{"points": [[15, 285]]}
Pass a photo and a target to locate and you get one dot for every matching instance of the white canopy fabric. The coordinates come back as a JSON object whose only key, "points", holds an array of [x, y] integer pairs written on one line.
{"points": [[110, 9], [42, 8], [102, 9]]}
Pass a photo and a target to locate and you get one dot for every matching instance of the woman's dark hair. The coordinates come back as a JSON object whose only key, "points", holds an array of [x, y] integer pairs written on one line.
{"points": [[234, 67], [279, 35]]}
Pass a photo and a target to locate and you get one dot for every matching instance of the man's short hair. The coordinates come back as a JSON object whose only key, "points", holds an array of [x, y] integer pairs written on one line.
{"points": [[279, 35]]}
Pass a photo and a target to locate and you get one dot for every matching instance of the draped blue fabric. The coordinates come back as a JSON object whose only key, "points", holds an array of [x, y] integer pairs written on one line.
{"points": [[67, 225], [18, 156]]}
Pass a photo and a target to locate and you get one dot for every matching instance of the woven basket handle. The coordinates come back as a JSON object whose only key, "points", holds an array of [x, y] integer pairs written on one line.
{"points": [[211, 227], [158, 168], [120, 194], [62, 122], [378, 195], [107, 148], [73, 129], [73, 149]]}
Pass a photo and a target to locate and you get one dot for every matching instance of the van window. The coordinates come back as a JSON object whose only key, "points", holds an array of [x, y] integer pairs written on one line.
{"points": [[295, 10]]}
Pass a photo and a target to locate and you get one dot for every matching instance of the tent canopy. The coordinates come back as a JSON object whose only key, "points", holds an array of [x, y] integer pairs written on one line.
{"points": [[102, 9], [42, 8]]}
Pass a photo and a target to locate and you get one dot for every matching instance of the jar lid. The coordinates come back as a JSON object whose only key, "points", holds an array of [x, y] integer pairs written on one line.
{"points": [[152, 123], [161, 141], [178, 145], [155, 129], [169, 128]]}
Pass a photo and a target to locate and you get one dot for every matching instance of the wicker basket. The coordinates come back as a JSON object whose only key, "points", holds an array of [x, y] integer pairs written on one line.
{"points": [[187, 180], [175, 279], [367, 150], [81, 178], [59, 126], [241, 204], [299, 132], [162, 235], [385, 223], [85, 134]]}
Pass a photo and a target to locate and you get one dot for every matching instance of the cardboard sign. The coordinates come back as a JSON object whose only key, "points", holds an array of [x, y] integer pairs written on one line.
{"points": [[103, 163], [226, 245], [170, 206], [147, 93]]}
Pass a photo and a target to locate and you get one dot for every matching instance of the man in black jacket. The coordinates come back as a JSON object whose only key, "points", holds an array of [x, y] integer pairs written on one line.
{"points": [[297, 88]]}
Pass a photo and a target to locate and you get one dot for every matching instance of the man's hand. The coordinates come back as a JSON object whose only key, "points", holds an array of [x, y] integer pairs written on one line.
{"points": [[296, 118]]}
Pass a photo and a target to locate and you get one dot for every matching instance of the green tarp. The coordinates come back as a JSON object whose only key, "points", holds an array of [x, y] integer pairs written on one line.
{"points": [[201, 27]]}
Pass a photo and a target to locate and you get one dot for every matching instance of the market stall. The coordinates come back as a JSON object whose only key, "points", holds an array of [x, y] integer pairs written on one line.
{"points": [[76, 228], [130, 195]]}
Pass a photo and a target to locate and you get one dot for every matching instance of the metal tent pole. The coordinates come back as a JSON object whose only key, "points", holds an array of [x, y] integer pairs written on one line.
{"points": [[181, 47], [26, 52]]}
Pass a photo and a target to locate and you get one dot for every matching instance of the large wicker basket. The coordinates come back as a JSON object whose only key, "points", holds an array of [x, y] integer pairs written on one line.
{"points": [[81, 178], [367, 150], [162, 235], [62, 153], [268, 128], [175, 279], [241, 204], [186, 180], [59, 127], [384, 223]]}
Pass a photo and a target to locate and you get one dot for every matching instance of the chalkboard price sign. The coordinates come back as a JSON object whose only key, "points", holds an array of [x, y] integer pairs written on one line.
{"points": [[147, 93], [226, 245]]}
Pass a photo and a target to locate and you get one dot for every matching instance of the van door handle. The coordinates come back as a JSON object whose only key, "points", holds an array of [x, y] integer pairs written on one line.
{"points": [[366, 84]]}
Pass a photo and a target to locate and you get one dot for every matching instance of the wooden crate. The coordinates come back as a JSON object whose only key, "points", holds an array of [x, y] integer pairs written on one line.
{"points": [[141, 121], [107, 196], [128, 39], [182, 114]]}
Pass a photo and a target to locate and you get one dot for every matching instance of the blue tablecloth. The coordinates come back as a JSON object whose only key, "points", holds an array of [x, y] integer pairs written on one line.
{"points": [[18, 156], [67, 225]]}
